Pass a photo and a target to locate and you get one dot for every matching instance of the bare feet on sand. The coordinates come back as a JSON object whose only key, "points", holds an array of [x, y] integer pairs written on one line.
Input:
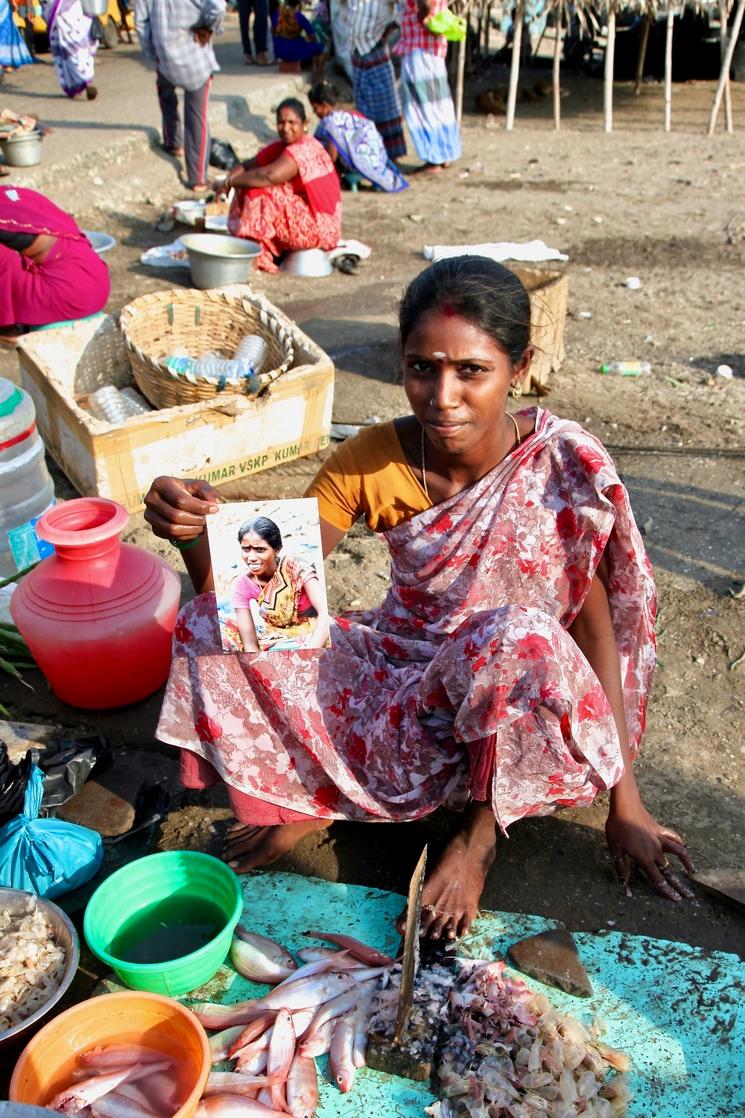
{"points": [[452, 890], [249, 847]]}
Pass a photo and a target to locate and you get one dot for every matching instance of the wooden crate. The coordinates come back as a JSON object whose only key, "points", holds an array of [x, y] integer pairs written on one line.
{"points": [[549, 291], [220, 440]]}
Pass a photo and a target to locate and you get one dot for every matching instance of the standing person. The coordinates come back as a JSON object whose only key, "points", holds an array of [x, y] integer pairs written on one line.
{"points": [[428, 105], [14, 52], [372, 22], [260, 29], [72, 45], [177, 36]]}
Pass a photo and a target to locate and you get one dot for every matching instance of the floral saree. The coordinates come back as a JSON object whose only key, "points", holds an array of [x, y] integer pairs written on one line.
{"points": [[465, 681]]}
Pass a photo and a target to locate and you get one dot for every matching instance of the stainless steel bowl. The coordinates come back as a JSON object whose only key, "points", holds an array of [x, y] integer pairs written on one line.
{"points": [[307, 262], [217, 260], [15, 900], [100, 242]]}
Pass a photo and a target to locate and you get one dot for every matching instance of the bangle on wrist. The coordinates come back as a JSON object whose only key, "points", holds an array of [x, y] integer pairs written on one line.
{"points": [[186, 545]]}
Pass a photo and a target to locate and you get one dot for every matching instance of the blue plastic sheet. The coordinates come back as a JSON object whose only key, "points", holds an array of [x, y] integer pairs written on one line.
{"points": [[46, 856], [678, 1011]]}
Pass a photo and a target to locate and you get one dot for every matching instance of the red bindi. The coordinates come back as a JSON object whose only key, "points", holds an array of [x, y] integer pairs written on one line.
{"points": [[448, 310]]}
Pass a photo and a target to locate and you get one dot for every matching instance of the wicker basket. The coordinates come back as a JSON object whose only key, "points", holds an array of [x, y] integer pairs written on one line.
{"points": [[195, 322]]}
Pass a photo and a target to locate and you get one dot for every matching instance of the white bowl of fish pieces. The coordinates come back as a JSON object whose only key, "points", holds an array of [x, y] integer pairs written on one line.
{"points": [[39, 955]]}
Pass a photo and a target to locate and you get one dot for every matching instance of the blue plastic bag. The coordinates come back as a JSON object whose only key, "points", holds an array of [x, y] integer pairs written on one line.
{"points": [[46, 856]]}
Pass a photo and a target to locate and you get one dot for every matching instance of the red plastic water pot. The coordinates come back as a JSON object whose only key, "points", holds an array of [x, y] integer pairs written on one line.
{"points": [[98, 614]]}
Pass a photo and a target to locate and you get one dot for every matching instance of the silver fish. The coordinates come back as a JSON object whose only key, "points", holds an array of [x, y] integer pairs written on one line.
{"points": [[121, 1056], [253, 964], [302, 1087], [222, 1042], [279, 1056], [235, 1106], [268, 947], [309, 991], [341, 1059], [370, 956]]}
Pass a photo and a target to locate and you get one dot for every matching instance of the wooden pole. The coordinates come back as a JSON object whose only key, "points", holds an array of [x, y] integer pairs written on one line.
{"points": [[555, 77], [487, 29], [610, 50], [669, 68], [724, 10], [724, 75], [517, 40], [642, 53]]}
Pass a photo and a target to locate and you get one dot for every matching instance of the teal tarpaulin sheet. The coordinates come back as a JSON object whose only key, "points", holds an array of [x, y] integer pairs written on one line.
{"points": [[678, 1011]]}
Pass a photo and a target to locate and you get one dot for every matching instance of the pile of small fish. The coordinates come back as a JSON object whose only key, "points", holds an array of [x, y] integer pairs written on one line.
{"points": [[321, 1006], [121, 1081], [32, 964], [507, 1053]]}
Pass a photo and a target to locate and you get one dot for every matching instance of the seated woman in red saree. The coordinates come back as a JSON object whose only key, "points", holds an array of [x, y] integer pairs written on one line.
{"points": [[507, 672], [48, 270], [288, 196]]}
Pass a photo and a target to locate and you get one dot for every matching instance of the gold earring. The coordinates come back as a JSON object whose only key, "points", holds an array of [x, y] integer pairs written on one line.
{"points": [[517, 390]]}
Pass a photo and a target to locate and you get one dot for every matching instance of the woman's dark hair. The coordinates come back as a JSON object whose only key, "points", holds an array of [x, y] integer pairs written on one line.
{"points": [[478, 289], [263, 527], [323, 93], [292, 103]]}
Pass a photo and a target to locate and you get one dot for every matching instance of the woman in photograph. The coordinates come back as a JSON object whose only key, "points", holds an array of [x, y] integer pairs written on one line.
{"points": [[284, 591]]}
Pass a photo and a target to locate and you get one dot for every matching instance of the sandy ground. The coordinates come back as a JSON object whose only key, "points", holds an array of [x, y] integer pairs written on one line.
{"points": [[666, 208]]}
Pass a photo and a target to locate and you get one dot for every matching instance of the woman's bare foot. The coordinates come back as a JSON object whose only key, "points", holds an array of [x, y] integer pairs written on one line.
{"points": [[452, 890], [249, 847]]}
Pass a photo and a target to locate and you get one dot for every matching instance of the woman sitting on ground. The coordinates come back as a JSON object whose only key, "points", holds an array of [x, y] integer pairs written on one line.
{"points": [[287, 197], [352, 141], [285, 592], [48, 270], [507, 672]]}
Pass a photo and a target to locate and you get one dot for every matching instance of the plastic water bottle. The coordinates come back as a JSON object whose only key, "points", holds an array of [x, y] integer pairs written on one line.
{"points": [[252, 350], [226, 370], [136, 402], [626, 368], [26, 489], [180, 363]]}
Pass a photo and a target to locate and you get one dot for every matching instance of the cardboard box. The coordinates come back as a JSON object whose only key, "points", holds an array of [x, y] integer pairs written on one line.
{"points": [[221, 440], [549, 292]]}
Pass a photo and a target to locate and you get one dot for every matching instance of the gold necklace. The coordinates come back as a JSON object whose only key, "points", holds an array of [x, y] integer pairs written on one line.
{"points": [[518, 436]]}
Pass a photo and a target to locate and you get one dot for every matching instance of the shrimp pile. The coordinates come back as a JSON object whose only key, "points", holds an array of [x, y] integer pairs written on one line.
{"points": [[32, 964], [121, 1081], [507, 1053], [321, 1006]]}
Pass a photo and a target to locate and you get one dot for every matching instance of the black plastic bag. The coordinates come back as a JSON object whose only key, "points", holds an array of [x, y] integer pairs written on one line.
{"points": [[222, 155]]}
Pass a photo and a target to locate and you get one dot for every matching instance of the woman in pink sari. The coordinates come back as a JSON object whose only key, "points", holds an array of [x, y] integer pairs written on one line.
{"points": [[48, 270], [507, 672]]}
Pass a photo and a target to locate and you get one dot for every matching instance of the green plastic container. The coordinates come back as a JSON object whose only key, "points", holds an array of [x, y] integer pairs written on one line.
{"points": [[148, 882]]}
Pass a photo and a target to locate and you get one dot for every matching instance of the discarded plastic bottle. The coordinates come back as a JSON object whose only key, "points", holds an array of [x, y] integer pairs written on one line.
{"points": [[626, 368], [26, 489]]}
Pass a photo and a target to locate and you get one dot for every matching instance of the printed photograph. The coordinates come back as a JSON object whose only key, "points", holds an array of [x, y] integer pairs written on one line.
{"points": [[268, 568]]}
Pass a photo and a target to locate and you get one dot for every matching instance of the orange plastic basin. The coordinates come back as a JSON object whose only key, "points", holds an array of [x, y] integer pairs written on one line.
{"points": [[47, 1062]]}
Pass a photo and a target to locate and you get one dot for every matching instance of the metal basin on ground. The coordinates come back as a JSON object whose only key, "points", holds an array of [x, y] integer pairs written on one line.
{"points": [[100, 242], [16, 900], [307, 262], [216, 259], [23, 150]]}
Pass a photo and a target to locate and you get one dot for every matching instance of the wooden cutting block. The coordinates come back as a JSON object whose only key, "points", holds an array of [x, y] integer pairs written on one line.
{"points": [[107, 804], [552, 958]]}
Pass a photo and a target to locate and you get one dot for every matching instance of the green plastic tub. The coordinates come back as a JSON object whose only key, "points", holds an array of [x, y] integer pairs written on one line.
{"points": [[150, 902]]}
